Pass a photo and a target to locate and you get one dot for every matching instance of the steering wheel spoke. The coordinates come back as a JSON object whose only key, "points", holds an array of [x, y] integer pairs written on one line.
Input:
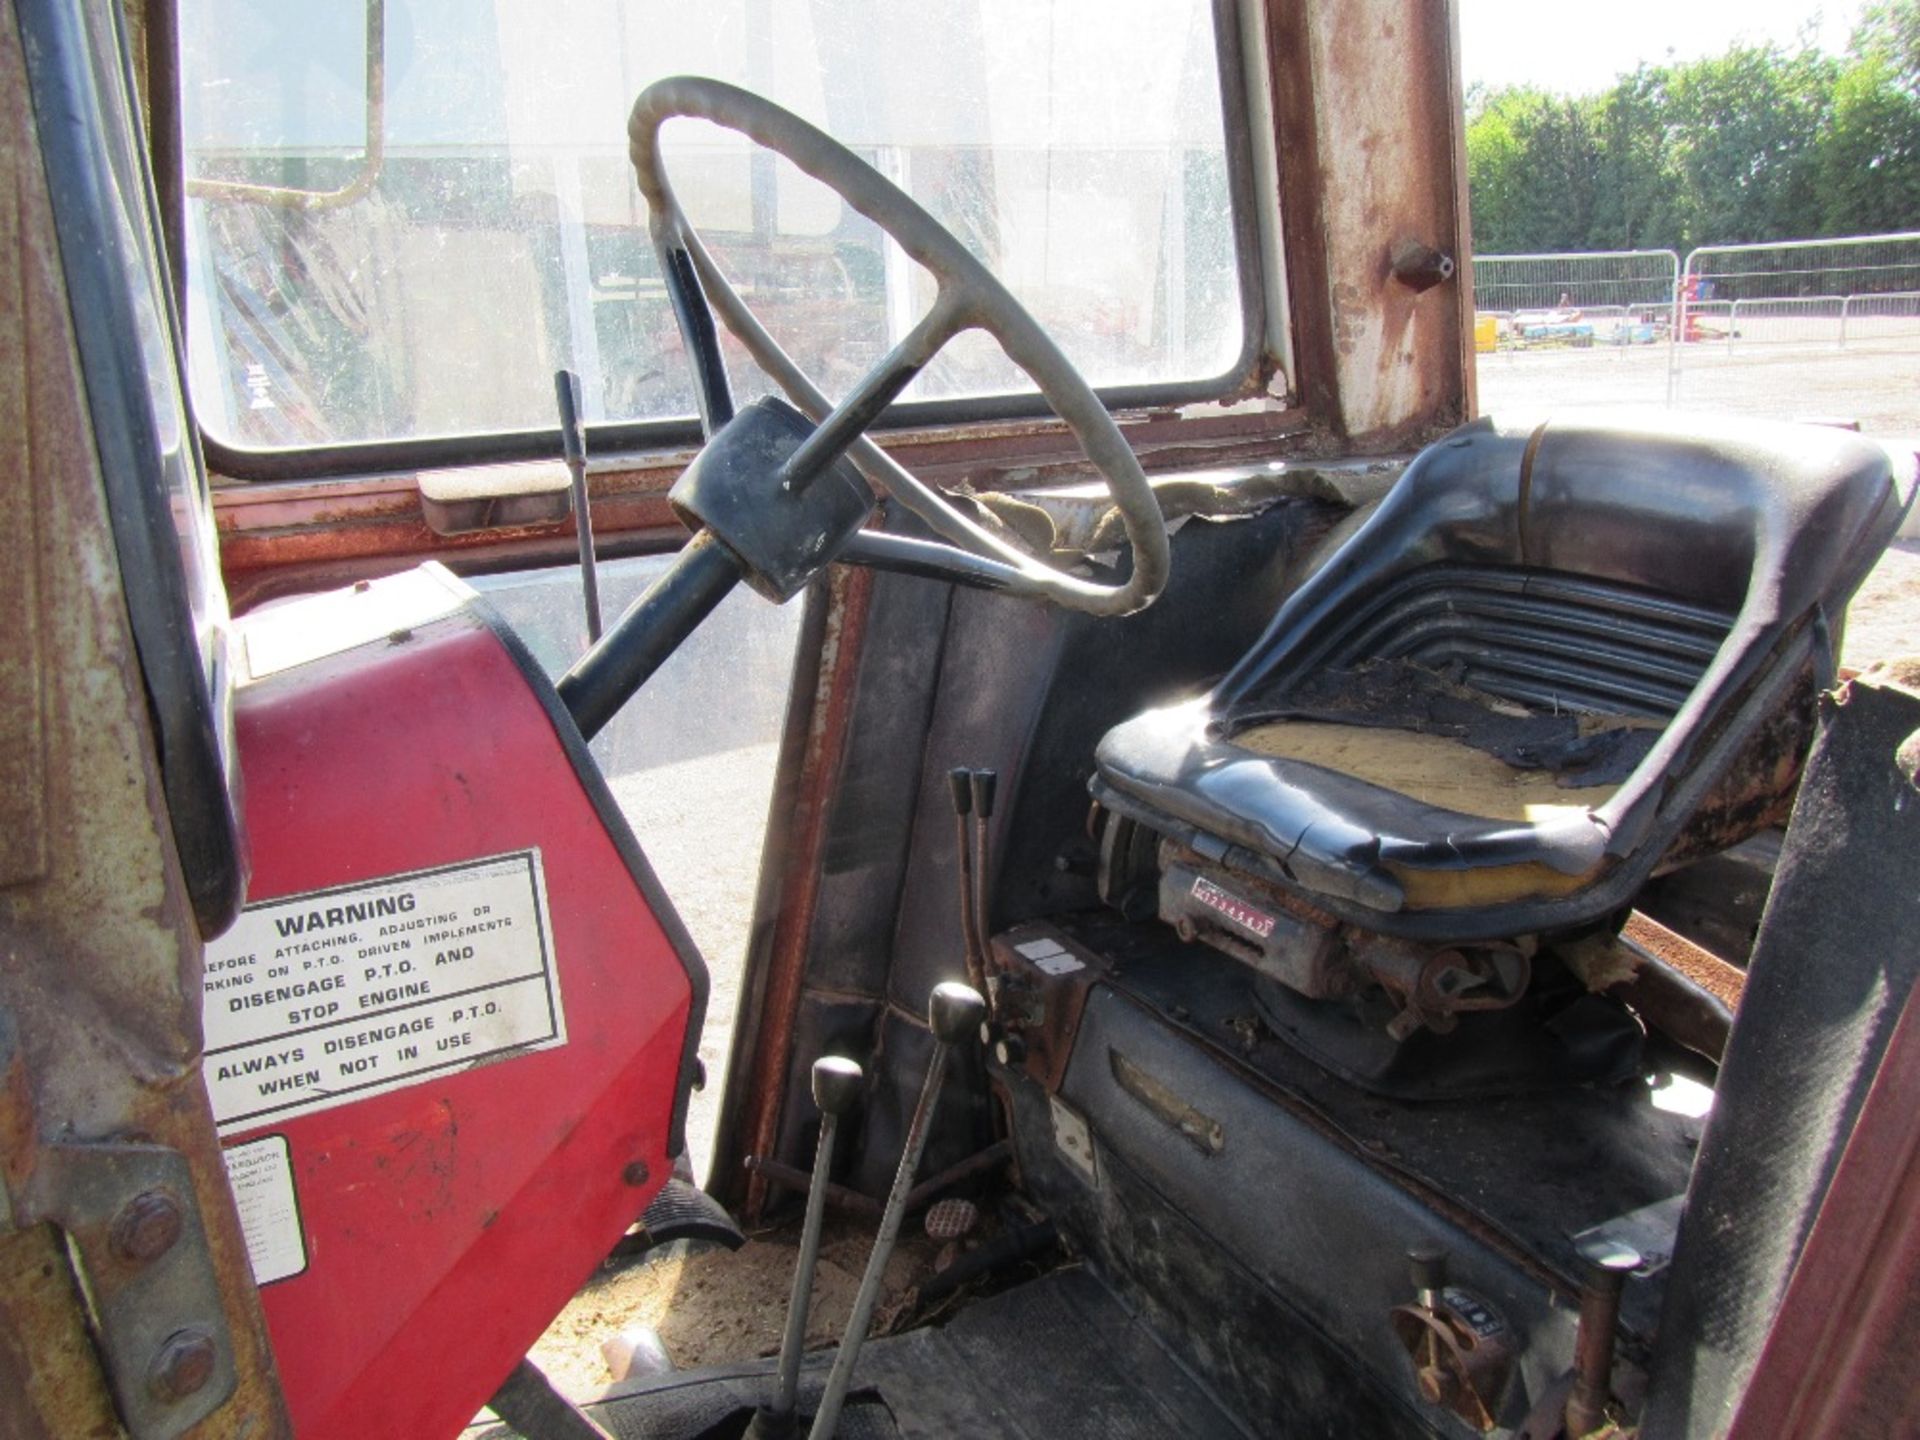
{"points": [[879, 388]]}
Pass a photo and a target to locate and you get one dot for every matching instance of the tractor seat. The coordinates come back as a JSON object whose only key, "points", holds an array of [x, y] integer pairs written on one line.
{"points": [[1554, 656]]}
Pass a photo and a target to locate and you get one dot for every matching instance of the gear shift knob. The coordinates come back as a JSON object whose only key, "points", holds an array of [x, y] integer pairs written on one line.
{"points": [[836, 1084], [955, 1012]]}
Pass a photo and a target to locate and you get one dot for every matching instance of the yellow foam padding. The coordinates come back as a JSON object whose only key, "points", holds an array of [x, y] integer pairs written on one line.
{"points": [[1433, 769]]}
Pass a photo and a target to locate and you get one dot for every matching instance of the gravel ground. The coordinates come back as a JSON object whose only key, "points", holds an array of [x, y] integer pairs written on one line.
{"points": [[1884, 619], [716, 1305], [1876, 384]]}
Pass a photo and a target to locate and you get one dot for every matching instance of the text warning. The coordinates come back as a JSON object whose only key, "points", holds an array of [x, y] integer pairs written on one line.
{"points": [[319, 999]]}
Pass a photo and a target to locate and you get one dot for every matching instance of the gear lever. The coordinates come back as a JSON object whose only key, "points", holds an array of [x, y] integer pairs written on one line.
{"points": [[960, 780], [984, 782], [953, 1013], [836, 1086]]}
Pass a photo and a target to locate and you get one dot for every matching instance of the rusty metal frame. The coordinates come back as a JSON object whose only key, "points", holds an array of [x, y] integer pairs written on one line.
{"points": [[285, 538], [125, 1292], [808, 780]]}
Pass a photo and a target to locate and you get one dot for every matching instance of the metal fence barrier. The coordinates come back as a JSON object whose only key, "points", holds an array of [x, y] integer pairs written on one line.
{"points": [[1820, 329]]}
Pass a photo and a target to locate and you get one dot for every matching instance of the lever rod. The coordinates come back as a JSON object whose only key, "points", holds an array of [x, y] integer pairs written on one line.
{"points": [[573, 443], [985, 782], [953, 1013], [1608, 1263], [960, 781], [836, 1086]]}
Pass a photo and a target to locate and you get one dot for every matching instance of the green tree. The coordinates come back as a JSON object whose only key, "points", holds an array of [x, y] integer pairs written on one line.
{"points": [[1637, 201], [1869, 156], [1532, 161], [1869, 173], [1756, 144], [1746, 128], [1890, 31]]}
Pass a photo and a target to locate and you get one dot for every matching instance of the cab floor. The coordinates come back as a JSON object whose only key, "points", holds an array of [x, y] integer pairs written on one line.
{"points": [[1058, 1358]]}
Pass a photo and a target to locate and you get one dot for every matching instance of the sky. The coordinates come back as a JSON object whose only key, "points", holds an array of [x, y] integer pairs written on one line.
{"points": [[1579, 48]]}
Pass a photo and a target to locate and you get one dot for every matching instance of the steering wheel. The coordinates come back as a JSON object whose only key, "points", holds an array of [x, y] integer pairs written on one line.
{"points": [[968, 297]]}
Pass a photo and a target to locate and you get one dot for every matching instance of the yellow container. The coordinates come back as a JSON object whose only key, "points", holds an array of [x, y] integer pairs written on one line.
{"points": [[1486, 334]]}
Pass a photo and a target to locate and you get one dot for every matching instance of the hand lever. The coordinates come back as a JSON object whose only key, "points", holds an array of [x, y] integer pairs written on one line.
{"points": [[573, 444], [985, 782], [953, 1013], [960, 781], [836, 1086]]}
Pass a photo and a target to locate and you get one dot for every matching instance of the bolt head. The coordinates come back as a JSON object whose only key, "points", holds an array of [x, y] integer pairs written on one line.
{"points": [[146, 1227], [836, 1084], [955, 1011], [183, 1365], [636, 1174]]}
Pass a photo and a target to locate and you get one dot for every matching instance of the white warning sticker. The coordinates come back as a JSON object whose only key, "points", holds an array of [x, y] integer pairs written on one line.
{"points": [[260, 1174], [320, 999]]}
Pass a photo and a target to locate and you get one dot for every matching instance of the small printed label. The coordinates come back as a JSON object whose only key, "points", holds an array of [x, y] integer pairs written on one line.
{"points": [[1041, 948], [260, 1174], [1232, 906], [1074, 1139], [1479, 1317], [320, 999], [1059, 964]]}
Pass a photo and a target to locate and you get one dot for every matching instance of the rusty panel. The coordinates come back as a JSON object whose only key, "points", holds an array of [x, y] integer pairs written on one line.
{"points": [[1367, 108], [783, 971], [99, 960], [48, 1368], [279, 538], [22, 663]]}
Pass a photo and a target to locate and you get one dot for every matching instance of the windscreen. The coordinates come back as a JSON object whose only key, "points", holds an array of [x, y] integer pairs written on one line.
{"points": [[409, 248]]}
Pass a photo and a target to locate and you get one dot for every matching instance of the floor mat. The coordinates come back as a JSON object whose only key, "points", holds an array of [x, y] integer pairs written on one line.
{"points": [[1058, 1358]]}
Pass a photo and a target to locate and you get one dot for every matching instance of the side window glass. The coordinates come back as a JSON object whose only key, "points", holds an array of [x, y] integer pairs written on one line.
{"points": [[691, 761]]}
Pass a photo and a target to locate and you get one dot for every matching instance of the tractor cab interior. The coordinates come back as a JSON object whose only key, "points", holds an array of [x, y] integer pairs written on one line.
{"points": [[1235, 833]]}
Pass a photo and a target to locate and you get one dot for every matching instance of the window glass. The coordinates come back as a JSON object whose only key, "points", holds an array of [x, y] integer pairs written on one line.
{"points": [[1075, 145]]}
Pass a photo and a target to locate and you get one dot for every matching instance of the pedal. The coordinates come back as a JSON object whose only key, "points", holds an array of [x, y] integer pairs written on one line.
{"points": [[683, 1211]]}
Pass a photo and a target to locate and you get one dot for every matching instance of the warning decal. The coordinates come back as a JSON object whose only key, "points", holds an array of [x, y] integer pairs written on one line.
{"points": [[316, 1000], [260, 1174]]}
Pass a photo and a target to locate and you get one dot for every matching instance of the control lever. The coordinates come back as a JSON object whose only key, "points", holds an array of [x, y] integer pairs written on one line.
{"points": [[960, 781], [953, 1013], [836, 1086], [1461, 1349], [1608, 1262], [985, 782], [573, 443]]}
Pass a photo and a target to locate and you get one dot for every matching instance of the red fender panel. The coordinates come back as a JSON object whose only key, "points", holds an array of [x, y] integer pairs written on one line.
{"points": [[449, 1041]]}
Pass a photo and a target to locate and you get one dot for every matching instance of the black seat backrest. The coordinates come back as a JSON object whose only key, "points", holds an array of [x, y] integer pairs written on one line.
{"points": [[1610, 562], [1548, 640]]}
